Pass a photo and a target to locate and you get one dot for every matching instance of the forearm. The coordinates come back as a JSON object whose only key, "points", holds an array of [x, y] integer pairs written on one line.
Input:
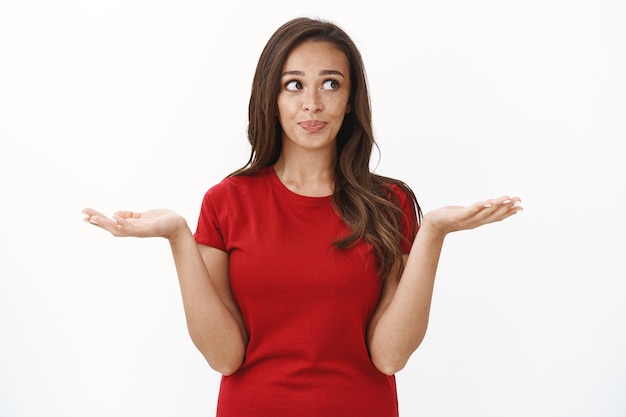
{"points": [[402, 325], [399, 324], [212, 327]]}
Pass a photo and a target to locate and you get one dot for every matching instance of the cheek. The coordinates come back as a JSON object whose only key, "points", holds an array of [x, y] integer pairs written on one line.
{"points": [[285, 108], [339, 105]]}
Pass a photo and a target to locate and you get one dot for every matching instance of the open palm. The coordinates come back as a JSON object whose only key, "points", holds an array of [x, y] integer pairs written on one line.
{"points": [[454, 218], [154, 223]]}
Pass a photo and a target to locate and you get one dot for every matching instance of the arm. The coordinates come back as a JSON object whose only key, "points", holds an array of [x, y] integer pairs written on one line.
{"points": [[400, 320], [213, 320]]}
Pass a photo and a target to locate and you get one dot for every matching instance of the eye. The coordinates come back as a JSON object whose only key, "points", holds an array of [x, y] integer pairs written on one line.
{"points": [[293, 85], [330, 85]]}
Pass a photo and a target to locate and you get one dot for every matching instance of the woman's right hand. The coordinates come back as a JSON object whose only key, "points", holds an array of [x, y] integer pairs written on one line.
{"points": [[153, 223]]}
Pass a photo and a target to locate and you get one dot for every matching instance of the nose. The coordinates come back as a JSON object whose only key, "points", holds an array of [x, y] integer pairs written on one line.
{"points": [[312, 100]]}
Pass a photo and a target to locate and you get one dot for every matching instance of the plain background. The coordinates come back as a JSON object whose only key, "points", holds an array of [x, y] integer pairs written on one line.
{"points": [[124, 104]]}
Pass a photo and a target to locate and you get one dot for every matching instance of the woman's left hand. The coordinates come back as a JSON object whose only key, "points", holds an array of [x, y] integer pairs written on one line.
{"points": [[453, 218]]}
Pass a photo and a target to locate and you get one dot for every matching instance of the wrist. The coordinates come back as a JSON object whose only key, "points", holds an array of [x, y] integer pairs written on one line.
{"points": [[432, 229], [179, 231]]}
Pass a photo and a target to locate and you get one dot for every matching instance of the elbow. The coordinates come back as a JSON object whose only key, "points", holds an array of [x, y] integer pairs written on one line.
{"points": [[223, 358], [391, 359], [227, 365], [226, 369], [389, 367]]}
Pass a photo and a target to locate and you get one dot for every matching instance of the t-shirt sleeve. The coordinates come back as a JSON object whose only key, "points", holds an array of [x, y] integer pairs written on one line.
{"points": [[409, 219], [211, 219]]}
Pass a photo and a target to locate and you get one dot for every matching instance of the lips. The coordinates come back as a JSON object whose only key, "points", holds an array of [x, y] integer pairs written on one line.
{"points": [[312, 125]]}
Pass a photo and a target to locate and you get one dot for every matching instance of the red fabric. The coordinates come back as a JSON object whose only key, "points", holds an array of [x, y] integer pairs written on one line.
{"points": [[305, 303]]}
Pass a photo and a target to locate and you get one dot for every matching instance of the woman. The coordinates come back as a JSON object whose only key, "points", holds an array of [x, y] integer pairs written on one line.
{"points": [[305, 283]]}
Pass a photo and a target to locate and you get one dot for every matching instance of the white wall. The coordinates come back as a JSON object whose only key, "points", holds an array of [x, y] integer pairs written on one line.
{"points": [[139, 104]]}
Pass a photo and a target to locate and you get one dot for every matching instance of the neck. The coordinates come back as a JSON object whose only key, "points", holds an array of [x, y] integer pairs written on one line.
{"points": [[310, 175]]}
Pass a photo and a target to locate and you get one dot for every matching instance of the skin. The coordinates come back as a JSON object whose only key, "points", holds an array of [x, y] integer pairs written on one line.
{"points": [[313, 100]]}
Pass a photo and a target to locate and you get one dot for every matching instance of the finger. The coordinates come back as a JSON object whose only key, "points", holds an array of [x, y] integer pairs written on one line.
{"points": [[505, 199], [91, 216], [89, 212], [515, 207], [494, 210], [507, 203], [131, 226], [110, 225], [485, 208], [506, 214], [497, 206], [121, 221], [127, 214], [496, 203], [504, 207]]}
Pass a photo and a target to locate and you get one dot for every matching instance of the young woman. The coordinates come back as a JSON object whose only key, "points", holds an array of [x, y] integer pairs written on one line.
{"points": [[306, 283]]}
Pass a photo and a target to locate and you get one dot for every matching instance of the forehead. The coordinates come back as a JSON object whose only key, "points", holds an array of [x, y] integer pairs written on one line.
{"points": [[313, 53]]}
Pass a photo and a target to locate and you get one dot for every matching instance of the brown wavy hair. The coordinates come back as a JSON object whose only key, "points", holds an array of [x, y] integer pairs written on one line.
{"points": [[364, 200]]}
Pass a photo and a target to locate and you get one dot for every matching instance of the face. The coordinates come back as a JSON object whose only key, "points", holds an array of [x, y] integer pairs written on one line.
{"points": [[314, 96]]}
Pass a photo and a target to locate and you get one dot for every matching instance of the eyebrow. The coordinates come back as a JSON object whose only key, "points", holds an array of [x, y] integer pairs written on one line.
{"points": [[323, 72]]}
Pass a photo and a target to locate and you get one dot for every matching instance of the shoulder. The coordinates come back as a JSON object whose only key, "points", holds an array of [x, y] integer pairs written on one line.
{"points": [[395, 190], [234, 195], [232, 185], [399, 191], [402, 196]]}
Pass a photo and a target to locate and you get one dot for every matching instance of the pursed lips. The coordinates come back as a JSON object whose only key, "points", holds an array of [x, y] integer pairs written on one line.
{"points": [[312, 125]]}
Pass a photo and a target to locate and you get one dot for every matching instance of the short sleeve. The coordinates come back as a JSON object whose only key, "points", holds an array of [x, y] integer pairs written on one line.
{"points": [[211, 219], [409, 219]]}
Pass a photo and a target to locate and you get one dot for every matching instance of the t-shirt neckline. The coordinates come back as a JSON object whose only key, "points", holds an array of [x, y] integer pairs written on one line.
{"points": [[293, 195]]}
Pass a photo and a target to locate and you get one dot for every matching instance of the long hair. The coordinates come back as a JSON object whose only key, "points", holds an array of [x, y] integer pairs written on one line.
{"points": [[364, 200]]}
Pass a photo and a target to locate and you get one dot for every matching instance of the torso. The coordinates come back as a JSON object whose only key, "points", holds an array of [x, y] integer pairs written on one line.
{"points": [[305, 304]]}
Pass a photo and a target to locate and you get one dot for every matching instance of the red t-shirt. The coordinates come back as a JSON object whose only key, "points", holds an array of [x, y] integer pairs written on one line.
{"points": [[305, 303]]}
